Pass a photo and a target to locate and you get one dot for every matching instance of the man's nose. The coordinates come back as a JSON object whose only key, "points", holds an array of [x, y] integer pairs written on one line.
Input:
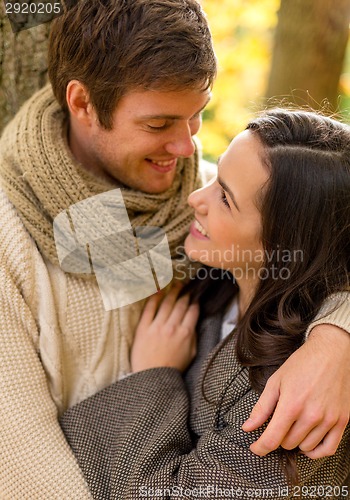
{"points": [[182, 143]]}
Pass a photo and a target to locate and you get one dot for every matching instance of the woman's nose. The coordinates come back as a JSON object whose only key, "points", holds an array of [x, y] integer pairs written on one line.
{"points": [[197, 200]]}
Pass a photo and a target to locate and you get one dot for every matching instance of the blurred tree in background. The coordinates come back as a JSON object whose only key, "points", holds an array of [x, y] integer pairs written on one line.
{"points": [[23, 66], [243, 33], [309, 50], [264, 47], [268, 48]]}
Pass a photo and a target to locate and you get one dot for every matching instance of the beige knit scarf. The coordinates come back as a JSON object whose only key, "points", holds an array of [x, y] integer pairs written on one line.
{"points": [[41, 178]]}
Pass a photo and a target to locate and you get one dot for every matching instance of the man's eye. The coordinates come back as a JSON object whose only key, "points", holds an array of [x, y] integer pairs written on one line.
{"points": [[157, 126], [197, 116]]}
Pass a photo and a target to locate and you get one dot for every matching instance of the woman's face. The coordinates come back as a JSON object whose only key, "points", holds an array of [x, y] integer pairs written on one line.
{"points": [[226, 232]]}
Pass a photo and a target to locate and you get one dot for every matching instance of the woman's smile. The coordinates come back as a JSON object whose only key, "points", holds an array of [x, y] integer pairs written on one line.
{"points": [[198, 231]]}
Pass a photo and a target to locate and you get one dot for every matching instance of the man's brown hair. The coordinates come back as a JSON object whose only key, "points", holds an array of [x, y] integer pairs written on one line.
{"points": [[116, 46]]}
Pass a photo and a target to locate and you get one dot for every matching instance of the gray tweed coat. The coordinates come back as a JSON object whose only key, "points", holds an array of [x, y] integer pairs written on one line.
{"points": [[153, 435]]}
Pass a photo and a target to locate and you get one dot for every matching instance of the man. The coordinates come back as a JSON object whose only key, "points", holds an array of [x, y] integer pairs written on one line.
{"points": [[130, 79]]}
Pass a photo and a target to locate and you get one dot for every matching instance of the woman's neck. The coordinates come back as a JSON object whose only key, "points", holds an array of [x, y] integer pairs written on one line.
{"points": [[247, 289]]}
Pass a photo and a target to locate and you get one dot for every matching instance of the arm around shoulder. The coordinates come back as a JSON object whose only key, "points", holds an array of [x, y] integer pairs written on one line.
{"points": [[310, 415], [335, 311]]}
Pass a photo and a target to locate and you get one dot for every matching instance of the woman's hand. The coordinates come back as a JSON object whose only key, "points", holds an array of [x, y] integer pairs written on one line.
{"points": [[166, 334]]}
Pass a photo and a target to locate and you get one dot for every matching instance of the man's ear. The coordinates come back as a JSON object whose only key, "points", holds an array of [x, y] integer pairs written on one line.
{"points": [[78, 102]]}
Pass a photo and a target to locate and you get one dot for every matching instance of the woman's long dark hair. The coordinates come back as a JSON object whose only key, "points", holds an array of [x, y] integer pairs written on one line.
{"points": [[305, 214], [305, 209]]}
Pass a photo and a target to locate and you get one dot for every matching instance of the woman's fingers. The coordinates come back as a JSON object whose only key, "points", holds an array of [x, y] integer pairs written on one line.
{"points": [[191, 317], [150, 309], [179, 311], [159, 306], [167, 305]]}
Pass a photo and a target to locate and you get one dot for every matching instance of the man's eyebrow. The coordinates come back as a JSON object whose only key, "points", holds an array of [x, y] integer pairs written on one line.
{"points": [[228, 190], [171, 117]]}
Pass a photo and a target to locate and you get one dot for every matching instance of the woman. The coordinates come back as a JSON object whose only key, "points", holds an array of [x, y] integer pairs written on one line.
{"points": [[278, 219]]}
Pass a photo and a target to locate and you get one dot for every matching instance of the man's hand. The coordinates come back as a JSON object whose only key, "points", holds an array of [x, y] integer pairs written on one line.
{"points": [[309, 397]]}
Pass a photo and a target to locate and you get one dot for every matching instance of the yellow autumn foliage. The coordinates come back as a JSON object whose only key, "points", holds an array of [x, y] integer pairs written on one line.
{"points": [[243, 37]]}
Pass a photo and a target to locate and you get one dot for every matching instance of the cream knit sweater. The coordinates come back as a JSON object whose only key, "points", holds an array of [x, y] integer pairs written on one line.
{"points": [[50, 348]]}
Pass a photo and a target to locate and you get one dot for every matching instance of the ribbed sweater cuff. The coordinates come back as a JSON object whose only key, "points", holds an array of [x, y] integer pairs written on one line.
{"points": [[335, 311]]}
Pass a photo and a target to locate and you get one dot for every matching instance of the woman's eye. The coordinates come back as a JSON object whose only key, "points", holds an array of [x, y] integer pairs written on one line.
{"points": [[224, 199]]}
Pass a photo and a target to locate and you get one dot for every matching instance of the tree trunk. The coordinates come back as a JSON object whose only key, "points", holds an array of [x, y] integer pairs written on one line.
{"points": [[310, 44], [23, 65]]}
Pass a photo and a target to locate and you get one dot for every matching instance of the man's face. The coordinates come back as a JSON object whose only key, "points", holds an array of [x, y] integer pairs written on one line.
{"points": [[151, 131]]}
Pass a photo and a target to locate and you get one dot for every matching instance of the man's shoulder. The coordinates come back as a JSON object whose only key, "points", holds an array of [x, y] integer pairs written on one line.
{"points": [[14, 238]]}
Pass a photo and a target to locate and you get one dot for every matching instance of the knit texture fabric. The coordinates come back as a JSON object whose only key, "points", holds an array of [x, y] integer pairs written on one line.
{"points": [[39, 367]]}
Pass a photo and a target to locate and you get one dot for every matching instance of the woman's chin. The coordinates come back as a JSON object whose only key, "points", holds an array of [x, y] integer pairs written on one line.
{"points": [[190, 250], [195, 254]]}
